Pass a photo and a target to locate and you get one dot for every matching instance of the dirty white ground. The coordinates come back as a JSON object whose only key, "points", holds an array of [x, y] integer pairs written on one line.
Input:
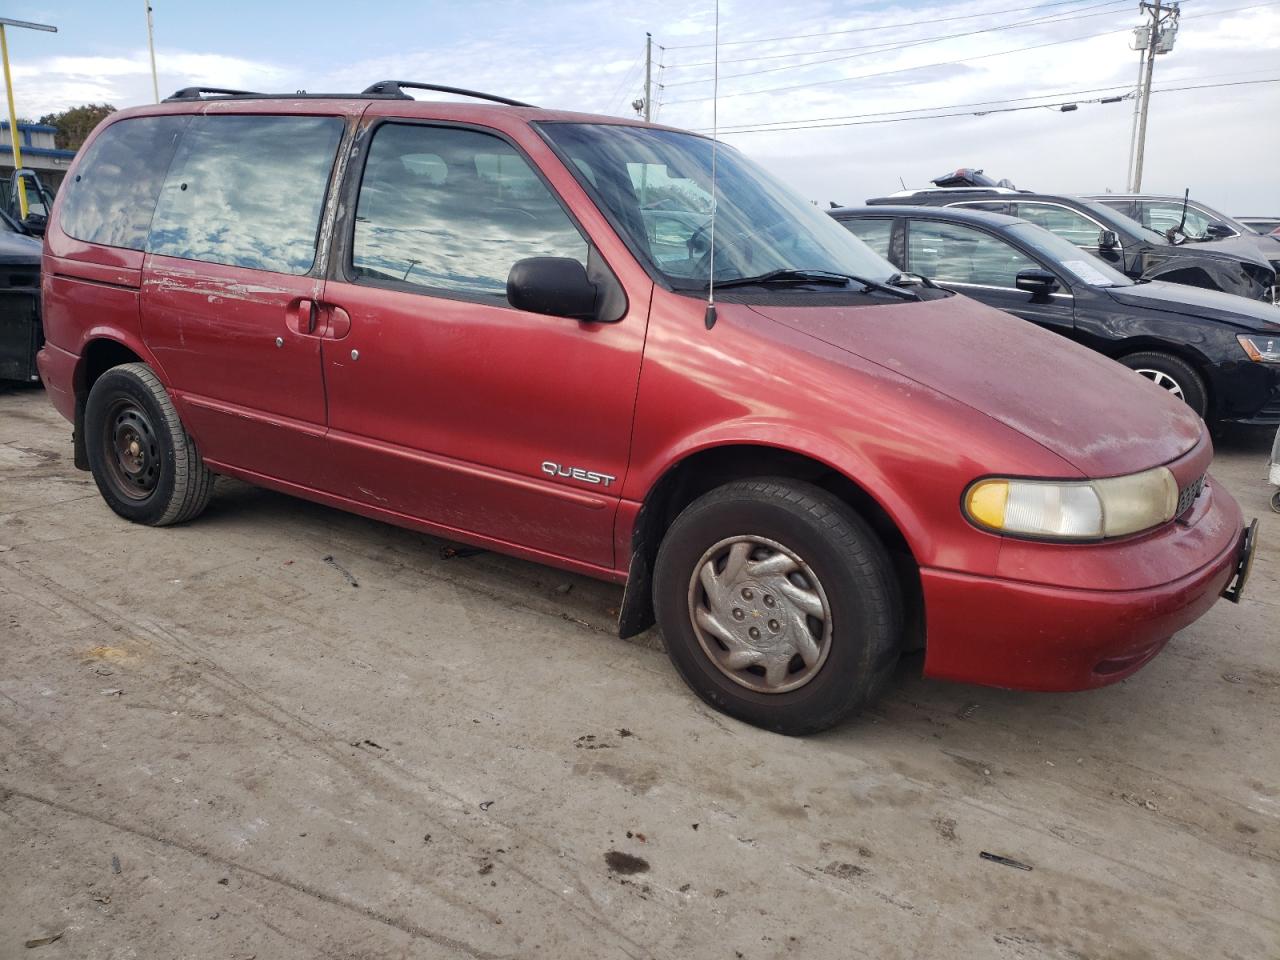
{"points": [[213, 745]]}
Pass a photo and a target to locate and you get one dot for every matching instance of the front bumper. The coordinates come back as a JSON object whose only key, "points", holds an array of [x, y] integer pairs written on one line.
{"points": [[1035, 636]]}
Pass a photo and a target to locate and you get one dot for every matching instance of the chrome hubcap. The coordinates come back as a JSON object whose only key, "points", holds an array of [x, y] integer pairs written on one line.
{"points": [[760, 614], [1162, 380]]}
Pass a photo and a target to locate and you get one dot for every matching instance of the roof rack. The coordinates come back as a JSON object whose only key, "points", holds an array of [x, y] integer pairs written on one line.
{"points": [[984, 190], [396, 87], [383, 90], [197, 93]]}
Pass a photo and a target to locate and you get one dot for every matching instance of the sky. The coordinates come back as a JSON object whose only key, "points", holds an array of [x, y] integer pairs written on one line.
{"points": [[1222, 143]]}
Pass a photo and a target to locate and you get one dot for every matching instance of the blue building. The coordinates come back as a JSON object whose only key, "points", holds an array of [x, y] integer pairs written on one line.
{"points": [[38, 153]]}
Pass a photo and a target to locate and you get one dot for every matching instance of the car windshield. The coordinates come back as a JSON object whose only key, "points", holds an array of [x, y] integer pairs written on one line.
{"points": [[1067, 256], [655, 187], [1115, 220]]}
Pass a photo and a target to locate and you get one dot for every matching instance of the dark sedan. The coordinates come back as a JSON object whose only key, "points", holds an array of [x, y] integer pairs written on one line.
{"points": [[1233, 266], [1219, 353], [20, 333]]}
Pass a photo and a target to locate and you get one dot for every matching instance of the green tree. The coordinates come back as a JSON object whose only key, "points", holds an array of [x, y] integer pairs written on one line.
{"points": [[76, 123]]}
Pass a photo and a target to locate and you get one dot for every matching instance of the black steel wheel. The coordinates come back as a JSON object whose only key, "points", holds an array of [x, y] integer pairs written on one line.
{"points": [[145, 465]]}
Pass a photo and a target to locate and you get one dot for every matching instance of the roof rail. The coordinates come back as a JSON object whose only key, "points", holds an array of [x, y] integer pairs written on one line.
{"points": [[984, 190], [197, 93], [396, 87]]}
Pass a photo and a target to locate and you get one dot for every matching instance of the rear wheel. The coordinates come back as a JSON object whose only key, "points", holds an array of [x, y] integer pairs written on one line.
{"points": [[778, 604], [1173, 374], [145, 465]]}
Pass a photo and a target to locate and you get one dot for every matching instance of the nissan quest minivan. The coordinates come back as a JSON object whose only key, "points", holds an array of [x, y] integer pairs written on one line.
{"points": [[491, 322]]}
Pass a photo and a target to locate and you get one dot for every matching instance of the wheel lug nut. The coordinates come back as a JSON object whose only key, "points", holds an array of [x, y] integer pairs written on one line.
{"points": [[768, 600], [737, 613], [773, 625], [755, 634], [747, 595]]}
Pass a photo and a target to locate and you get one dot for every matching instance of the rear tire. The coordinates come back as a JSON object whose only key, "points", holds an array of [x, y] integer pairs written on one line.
{"points": [[145, 465], [778, 604], [1173, 374]]}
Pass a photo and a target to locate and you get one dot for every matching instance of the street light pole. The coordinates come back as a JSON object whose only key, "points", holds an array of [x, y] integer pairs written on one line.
{"points": [[13, 113]]}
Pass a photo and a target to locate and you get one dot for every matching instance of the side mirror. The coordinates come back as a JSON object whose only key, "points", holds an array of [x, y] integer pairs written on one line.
{"points": [[555, 286], [1218, 231], [1038, 283], [1108, 240]]}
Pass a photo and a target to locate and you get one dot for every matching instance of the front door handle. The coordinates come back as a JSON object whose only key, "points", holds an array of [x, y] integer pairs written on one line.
{"points": [[301, 316]]}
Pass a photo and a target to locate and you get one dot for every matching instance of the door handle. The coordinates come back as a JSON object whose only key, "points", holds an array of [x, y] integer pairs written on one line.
{"points": [[314, 319], [308, 313], [301, 316]]}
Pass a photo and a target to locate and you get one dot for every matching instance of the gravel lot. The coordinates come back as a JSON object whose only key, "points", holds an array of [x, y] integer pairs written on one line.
{"points": [[215, 744]]}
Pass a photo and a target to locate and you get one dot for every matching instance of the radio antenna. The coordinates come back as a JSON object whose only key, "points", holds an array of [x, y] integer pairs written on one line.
{"points": [[715, 131]]}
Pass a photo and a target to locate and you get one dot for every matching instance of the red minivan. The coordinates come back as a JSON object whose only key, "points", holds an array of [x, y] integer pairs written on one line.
{"points": [[490, 322]]}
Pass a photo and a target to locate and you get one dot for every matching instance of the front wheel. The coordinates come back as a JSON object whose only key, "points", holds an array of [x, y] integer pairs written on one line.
{"points": [[1172, 374], [778, 604], [145, 465]]}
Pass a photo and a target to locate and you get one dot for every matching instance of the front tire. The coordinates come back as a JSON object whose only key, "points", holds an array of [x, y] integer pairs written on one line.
{"points": [[147, 468], [1173, 374], [778, 604]]}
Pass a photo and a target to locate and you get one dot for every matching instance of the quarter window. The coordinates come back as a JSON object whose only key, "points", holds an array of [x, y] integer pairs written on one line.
{"points": [[1066, 223], [876, 234], [113, 195], [453, 210], [953, 253], [247, 191]]}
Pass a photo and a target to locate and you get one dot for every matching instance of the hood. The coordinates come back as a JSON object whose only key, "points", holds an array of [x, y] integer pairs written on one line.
{"points": [[1089, 410], [1234, 248], [1187, 301], [17, 248]]}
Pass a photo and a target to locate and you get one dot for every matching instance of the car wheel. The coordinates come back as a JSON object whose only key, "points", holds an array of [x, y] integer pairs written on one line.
{"points": [[1275, 501], [1172, 374], [778, 604], [145, 465]]}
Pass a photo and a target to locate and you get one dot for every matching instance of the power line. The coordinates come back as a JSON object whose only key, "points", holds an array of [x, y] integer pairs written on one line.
{"points": [[1121, 5], [955, 106], [887, 26], [982, 113], [947, 63], [947, 106]]}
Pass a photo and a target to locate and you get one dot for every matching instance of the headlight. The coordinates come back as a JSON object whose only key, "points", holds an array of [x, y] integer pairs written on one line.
{"points": [[1074, 510], [1260, 349]]}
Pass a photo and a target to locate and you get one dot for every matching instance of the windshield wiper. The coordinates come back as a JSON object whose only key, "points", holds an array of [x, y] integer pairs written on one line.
{"points": [[903, 279], [788, 277]]}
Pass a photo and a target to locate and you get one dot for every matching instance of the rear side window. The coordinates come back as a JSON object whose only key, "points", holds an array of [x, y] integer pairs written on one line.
{"points": [[112, 197], [453, 210], [247, 191], [874, 233]]}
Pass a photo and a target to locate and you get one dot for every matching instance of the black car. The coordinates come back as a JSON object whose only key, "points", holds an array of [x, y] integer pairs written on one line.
{"points": [[1165, 216], [1219, 353], [1233, 266], [20, 332]]}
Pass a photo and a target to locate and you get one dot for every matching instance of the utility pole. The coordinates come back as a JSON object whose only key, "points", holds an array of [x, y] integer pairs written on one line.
{"points": [[648, 74], [151, 45], [1163, 31], [14, 136]]}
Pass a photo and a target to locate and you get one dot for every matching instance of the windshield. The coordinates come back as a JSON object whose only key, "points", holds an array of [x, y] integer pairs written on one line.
{"points": [[655, 186], [1117, 221], [1067, 256]]}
